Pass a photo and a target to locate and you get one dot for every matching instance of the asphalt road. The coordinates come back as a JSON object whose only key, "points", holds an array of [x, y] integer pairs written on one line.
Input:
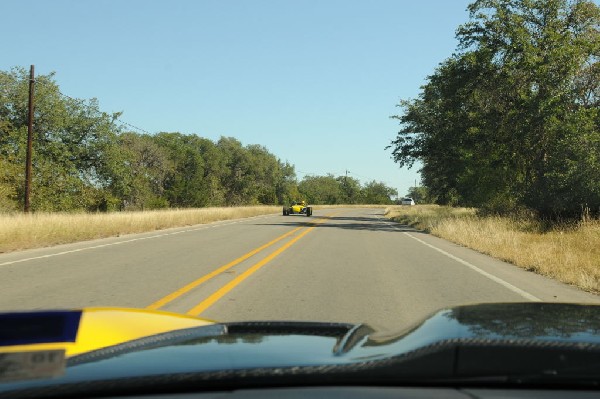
{"points": [[348, 265]]}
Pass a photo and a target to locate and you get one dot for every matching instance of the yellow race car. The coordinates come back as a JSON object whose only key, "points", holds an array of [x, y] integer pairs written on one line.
{"points": [[297, 208]]}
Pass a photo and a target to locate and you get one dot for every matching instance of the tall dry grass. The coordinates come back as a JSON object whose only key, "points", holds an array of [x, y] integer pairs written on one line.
{"points": [[569, 253], [20, 231]]}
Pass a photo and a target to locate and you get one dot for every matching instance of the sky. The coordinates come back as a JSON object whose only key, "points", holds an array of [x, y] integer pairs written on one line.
{"points": [[314, 81]]}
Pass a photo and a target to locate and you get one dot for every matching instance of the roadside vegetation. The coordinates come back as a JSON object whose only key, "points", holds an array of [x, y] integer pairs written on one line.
{"points": [[567, 251], [510, 125], [24, 231], [20, 231], [86, 160], [511, 121]]}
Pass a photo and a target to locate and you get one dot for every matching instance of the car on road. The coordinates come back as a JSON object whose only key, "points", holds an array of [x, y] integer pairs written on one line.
{"points": [[408, 201], [297, 208]]}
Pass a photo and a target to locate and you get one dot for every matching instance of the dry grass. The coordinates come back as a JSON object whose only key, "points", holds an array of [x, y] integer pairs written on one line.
{"points": [[567, 253], [19, 231], [426, 217]]}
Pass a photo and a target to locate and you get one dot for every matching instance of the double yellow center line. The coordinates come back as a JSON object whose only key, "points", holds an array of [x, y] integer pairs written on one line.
{"points": [[205, 304]]}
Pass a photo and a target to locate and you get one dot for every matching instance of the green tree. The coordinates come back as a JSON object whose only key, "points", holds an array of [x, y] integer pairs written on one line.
{"points": [[214, 172], [286, 188], [238, 184], [320, 190], [71, 140], [84, 161], [252, 175], [351, 190], [264, 171], [420, 195], [375, 192], [185, 185], [147, 167], [512, 119]]}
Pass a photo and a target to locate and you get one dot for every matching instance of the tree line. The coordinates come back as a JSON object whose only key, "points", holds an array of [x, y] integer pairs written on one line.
{"points": [[511, 121], [86, 160]]}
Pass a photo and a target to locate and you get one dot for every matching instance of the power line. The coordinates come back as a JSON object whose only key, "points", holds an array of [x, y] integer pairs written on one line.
{"points": [[135, 127], [117, 119]]}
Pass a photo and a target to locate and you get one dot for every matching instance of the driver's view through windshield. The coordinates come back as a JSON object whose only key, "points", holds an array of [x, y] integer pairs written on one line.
{"points": [[205, 195]]}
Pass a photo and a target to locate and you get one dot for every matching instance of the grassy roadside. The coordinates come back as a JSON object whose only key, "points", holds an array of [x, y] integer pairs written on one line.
{"points": [[19, 231], [569, 253]]}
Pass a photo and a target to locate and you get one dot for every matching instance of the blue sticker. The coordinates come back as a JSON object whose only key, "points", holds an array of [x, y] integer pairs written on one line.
{"points": [[39, 327]]}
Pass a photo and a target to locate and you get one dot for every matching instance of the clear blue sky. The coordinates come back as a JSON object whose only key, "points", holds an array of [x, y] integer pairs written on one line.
{"points": [[314, 81]]}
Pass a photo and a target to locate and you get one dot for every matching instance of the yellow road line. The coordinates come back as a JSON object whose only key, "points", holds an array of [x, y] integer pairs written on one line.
{"points": [[176, 294], [202, 306]]}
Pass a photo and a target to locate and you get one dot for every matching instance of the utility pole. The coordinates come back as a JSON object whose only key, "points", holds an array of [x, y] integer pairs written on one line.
{"points": [[29, 140], [346, 191]]}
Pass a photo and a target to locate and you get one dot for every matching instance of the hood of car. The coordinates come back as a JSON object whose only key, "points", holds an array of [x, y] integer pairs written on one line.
{"points": [[80, 331], [512, 339]]}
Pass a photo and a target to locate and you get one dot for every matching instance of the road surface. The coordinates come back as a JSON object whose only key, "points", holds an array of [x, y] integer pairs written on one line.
{"points": [[347, 265]]}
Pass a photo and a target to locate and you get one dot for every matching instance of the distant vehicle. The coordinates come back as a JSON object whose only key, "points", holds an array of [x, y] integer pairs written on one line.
{"points": [[297, 208], [408, 201]]}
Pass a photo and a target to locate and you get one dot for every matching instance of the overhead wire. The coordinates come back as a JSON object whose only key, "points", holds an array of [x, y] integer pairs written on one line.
{"points": [[299, 171], [82, 100]]}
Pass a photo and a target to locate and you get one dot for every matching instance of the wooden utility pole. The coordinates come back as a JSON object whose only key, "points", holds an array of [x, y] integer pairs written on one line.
{"points": [[29, 140]]}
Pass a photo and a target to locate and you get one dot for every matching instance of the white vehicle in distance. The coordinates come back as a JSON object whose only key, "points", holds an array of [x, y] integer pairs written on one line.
{"points": [[408, 201]]}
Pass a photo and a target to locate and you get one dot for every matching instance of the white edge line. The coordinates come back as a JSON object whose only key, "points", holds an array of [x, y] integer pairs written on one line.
{"points": [[214, 224], [498, 280]]}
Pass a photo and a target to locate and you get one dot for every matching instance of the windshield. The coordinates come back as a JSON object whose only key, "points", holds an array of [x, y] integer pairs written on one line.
{"points": [[240, 160]]}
